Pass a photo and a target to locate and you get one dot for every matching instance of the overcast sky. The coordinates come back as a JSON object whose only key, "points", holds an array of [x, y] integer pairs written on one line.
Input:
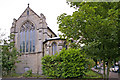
{"points": [[10, 9]]}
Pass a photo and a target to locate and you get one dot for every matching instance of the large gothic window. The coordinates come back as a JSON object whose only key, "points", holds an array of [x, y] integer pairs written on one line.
{"points": [[27, 38], [54, 48]]}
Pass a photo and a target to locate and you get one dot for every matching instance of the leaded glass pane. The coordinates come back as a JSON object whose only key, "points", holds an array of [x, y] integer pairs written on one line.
{"points": [[31, 41], [26, 46], [34, 40], [30, 46], [54, 48], [27, 38], [33, 46], [27, 12], [23, 38], [23, 46], [23, 41]]}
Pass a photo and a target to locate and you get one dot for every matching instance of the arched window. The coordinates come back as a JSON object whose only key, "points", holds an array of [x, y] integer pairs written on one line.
{"points": [[27, 38], [54, 48]]}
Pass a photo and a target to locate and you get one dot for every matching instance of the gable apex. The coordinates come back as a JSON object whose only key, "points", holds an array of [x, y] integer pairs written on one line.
{"points": [[28, 11], [38, 20]]}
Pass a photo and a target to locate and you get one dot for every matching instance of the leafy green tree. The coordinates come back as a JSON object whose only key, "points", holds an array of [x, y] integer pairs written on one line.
{"points": [[96, 26], [0, 62], [9, 56], [1, 40], [1, 37]]}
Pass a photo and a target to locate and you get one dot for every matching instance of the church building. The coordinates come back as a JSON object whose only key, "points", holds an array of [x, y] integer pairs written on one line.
{"points": [[34, 39]]}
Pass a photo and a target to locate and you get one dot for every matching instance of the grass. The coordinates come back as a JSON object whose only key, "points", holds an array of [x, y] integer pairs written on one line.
{"points": [[88, 74], [22, 75], [13, 75], [92, 74]]}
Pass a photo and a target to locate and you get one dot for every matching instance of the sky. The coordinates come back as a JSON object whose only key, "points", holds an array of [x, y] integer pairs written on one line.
{"points": [[10, 9]]}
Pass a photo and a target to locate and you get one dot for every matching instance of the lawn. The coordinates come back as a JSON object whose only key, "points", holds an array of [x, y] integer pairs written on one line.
{"points": [[92, 74], [88, 74], [15, 75]]}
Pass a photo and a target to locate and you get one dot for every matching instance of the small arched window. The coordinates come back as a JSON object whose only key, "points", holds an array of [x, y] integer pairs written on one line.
{"points": [[27, 12], [27, 37], [54, 48]]}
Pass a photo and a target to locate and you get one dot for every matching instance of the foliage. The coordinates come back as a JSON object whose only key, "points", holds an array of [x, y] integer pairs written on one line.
{"points": [[96, 25], [91, 64], [2, 34], [1, 40], [70, 63], [0, 62], [27, 74], [9, 56], [12, 75]]}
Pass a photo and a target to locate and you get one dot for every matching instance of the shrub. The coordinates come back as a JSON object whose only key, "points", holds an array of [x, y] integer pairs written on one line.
{"points": [[91, 63], [68, 63], [27, 74]]}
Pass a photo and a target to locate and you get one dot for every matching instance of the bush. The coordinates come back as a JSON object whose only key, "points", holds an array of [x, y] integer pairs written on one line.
{"points": [[67, 64], [27, 74], [91, 63]]}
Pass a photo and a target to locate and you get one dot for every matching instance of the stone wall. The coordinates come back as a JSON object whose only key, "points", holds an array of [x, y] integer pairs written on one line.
{"points": [[31, 61]]}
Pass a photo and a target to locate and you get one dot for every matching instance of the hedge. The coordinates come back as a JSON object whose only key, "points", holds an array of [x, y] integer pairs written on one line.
{"points": [[70, 63]]}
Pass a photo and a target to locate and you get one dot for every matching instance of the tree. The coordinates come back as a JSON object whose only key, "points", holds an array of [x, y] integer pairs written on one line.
{"points": [[0, 62], [1, 40], [94, 24], [9, 56]]}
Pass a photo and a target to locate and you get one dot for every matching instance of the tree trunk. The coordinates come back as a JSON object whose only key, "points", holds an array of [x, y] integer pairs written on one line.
{"points": [[104, 68], [108, 68], [96, 64]]}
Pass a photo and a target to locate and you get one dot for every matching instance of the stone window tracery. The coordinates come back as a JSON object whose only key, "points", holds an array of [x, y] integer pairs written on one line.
{"points": [[27, 37]]}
